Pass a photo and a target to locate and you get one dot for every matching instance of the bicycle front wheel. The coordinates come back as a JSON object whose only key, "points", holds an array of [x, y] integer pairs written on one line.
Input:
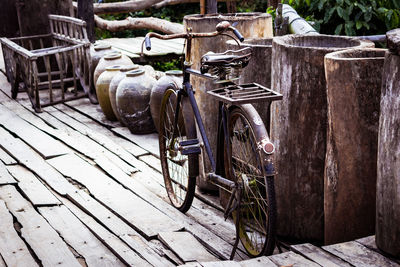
{"points": [[179, 170], [257, 211]]}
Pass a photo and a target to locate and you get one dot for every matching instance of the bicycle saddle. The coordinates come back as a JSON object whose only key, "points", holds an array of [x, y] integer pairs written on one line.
{"points": [[231, 58]]}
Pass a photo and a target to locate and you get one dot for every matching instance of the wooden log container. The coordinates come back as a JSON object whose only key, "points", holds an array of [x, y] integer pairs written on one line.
{"points": [[353, 79], [249, 25], [388, 179], [298, 129]]}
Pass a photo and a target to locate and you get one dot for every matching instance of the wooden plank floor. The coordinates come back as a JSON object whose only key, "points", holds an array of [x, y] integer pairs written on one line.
{"points": [[95, 197]]}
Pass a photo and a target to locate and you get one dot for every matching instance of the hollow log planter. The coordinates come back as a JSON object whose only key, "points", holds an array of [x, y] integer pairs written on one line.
{"points": [[298, 129], [249, 25], [388, 175], [353, 79], [258, 70]]}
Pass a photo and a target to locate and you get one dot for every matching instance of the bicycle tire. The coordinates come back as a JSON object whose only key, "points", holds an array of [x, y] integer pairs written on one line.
{"points": [[243, 164], [179, 171]]}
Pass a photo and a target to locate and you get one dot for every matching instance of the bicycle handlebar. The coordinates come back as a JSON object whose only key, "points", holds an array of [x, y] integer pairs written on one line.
{"points": [[220, 29]]}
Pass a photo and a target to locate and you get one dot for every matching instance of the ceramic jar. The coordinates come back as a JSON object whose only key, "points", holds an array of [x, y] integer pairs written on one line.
{"points": [[133, 96], [97, 51], [173, 79], [113, 87], [102, 91], [110, 59]]}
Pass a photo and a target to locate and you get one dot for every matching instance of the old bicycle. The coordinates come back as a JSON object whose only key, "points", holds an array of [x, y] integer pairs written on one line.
{"points": [[244, 163]]}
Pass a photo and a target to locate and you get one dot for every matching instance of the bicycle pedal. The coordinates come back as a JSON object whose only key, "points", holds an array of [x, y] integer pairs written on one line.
{"points": [[189, 147]]}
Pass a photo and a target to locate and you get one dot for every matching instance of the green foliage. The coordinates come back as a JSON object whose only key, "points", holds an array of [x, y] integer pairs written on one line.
{"points": [[174, 64], [350, 17]]}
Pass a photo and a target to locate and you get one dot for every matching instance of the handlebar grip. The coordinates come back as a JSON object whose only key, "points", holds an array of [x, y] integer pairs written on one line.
{"points": [[147, 43], [238, 35]]}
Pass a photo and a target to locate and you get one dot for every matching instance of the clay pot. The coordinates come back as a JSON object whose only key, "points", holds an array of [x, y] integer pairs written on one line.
{"points": [[173, 79], [110, 59], [133, 96], [102, 91], [114, 85]]}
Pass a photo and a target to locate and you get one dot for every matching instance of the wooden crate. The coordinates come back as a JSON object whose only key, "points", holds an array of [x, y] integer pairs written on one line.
{"points": [[53, 68]]}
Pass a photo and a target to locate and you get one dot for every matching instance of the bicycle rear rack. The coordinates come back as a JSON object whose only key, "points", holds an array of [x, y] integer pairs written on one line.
{"points": [[245, 93]]}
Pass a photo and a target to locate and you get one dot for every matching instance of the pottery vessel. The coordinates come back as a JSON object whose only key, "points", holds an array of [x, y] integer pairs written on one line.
{"points": [[132, 99], [173, 79], [102, 91], [114, 85], [110, 59]]}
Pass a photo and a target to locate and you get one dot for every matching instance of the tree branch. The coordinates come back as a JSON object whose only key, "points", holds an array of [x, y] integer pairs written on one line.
{"points": [[139, 23], [124, 7]]}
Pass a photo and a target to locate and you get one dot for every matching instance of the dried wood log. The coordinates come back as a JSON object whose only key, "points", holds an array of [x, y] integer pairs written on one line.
{"points": [[139, 23], [393, 41], [388, 179], [353, 79], [121, 7]]}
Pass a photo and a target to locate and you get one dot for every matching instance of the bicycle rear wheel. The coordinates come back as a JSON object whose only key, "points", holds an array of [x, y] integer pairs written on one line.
{"points": [[179, 170], [257, 211]]}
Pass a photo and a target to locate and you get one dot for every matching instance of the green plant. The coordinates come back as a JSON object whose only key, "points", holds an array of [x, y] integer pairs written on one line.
{"points": [[350, 17]]}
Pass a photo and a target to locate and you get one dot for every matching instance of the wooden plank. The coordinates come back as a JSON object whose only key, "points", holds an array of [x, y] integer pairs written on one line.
{"points": [[186, 246], [358, 255], [119, 248], [370, 243], [214, 242], [146, 141], [139, 213], [34, 162], [2, 263], [41, 142], [12, 248], [113, 224], [258, 262], [114, 152], [318, 255], [35, 191], [291, 259], [84, 106], [220, 264], [75, 234], [152, 161], [5, 177], [6, 158], [41, 237]]}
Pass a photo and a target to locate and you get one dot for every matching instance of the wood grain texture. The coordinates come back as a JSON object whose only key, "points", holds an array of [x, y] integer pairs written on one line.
{"points": [[35, 191], [149, 141], [186, 246], [78, 236], [34, 162], [41, 237], [257, 262], [140, 214], [298, 129], [318, 255], [353, 84], [358, 255], [291, 259], [388, 179], [12, 248], [40, 141], [119, 248], [6, 158], [5, 176]]}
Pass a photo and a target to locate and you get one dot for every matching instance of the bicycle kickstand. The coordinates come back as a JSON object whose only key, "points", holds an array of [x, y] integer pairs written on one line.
{"points": [[236, 207]]}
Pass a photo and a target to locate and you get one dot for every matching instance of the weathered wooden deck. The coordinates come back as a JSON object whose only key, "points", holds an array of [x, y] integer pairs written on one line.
{"points": [[77, 190], [160, 49]]}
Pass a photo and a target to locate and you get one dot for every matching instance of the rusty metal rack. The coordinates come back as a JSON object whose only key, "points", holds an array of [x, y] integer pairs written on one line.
{"points": [[244, 93], [56, 63]]}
